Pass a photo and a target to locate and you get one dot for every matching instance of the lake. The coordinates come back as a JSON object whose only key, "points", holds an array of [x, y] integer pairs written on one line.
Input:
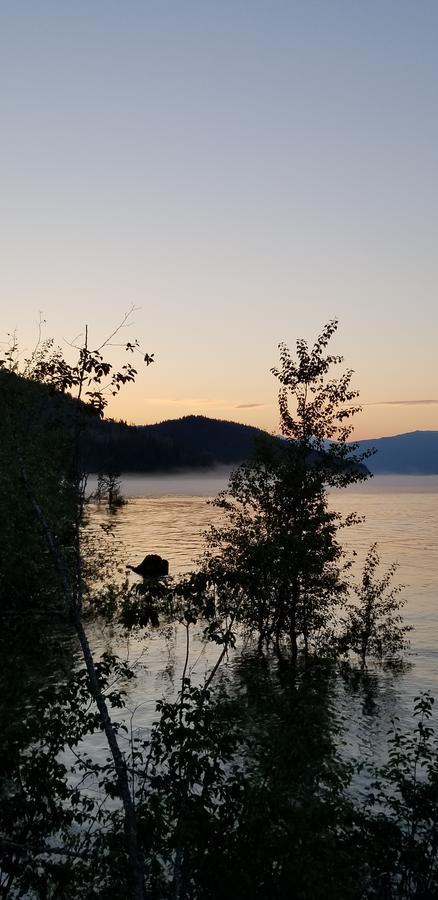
{"points": [[169, 514]]}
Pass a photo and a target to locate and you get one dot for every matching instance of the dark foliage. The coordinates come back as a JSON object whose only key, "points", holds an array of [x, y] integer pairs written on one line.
{"points": [[189, 442], [241, 788], [280, 542]]}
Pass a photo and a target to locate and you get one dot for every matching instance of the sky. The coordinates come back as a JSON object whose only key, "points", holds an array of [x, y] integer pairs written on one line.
{"points": [[240, 173]]}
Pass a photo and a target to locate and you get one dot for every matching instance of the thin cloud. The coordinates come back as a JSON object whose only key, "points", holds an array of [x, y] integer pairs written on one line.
{"points": [[184, 401], [200, 402], [403, 403], [248, 405]]}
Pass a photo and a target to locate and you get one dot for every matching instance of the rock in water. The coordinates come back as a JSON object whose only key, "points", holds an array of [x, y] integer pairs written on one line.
{"points": [[153, 566]]}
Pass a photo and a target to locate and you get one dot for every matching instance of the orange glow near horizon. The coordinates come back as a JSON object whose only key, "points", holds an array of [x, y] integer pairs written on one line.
{"points": [[376, 419], [239, 175]]}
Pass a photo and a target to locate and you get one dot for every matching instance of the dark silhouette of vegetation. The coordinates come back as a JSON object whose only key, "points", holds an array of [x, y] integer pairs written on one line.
{"points": [[241, 789], [373, 626], [108, 490], [189, 442], [281, 544], [92, 379]]}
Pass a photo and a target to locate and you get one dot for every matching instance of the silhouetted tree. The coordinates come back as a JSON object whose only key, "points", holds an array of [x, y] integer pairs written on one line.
{"points": [[240, 789], [86, 383], [280, 542], [373, 625]]}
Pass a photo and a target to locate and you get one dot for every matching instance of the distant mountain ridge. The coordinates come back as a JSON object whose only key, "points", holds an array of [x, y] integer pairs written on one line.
{"points": [[189, 442], [413, 453], [201, 442]]}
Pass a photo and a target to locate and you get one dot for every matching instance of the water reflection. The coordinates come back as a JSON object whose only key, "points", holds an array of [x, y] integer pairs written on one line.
{"points": [[401, 515]]}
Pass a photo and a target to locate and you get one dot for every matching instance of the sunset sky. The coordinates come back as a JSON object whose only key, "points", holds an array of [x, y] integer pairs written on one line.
{"points": [[239, 171]]}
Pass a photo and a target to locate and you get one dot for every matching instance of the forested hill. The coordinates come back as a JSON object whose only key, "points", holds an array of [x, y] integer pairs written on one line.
{"points": [[414, 453], [197, 441], [189, 442]]}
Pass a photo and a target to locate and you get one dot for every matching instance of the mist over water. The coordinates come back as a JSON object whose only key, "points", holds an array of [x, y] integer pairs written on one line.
{"points": [[183, 483]]}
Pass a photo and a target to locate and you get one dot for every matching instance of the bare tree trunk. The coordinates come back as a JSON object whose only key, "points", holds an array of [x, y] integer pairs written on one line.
{"points": [[136, 875]]}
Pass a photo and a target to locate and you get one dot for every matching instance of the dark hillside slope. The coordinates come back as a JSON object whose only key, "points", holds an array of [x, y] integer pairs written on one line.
{"points": [[193, 441], [217, 439], [190, 442]]}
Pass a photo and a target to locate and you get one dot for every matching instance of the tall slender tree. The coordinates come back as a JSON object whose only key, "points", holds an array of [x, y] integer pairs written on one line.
{"points": [[280, 543], [87, 383]]}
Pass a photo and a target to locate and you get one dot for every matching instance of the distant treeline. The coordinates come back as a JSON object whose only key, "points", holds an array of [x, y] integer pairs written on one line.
{"points": [[201, 442], [189, 442]]}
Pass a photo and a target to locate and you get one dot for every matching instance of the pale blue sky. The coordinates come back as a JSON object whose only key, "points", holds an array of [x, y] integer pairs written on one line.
{"points": [[242, 172]]}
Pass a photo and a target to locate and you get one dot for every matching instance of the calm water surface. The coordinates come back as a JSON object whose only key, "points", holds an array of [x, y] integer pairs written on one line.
{"points": [[168, 515]]}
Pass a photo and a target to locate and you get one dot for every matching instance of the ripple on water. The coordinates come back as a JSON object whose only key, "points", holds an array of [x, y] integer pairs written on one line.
{"points": [[401, 515]]}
